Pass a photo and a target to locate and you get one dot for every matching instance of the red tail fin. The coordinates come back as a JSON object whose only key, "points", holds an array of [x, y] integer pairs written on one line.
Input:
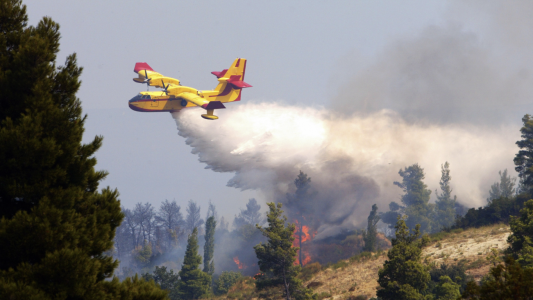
{"points": [[142, 66]]}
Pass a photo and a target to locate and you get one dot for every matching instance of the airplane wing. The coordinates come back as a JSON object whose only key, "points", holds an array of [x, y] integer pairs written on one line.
{"points": [[152, 78]]}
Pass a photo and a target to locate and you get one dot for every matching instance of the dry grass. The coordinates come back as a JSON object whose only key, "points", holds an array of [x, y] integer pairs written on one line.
{"points": [[357, 278], [350, 279], [470, 246]]}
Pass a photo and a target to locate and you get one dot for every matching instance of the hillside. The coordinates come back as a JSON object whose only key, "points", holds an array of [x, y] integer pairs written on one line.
{"points": [[358, 275]]}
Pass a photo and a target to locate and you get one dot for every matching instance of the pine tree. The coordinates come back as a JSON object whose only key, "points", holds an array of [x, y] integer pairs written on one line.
{"points": [[277, 256], [521, 239], [391, 217], [209, 247], [524, 158], [250, 215], [194, 283], [506, 281], [447, 289], [503, 189], [193, 219], [55, 224], [416, 198], [403, 276], [445, 204], [370, 235]]}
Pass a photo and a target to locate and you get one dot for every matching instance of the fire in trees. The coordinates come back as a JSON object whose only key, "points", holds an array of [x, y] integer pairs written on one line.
{"points": [[301, 211]]}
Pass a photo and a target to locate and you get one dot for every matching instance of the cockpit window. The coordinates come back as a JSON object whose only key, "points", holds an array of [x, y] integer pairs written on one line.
{"points": [[146, 97]]}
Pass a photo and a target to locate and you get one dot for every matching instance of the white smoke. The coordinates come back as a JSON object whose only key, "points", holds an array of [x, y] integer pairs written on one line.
{"points": [[447, 94], [352, 161]]}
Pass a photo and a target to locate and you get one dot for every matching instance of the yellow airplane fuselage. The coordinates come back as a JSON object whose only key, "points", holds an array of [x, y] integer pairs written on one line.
{"points": [[175, 97]]}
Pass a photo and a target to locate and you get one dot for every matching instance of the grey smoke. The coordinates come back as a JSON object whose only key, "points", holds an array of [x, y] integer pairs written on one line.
{"points": [[443, 76]]}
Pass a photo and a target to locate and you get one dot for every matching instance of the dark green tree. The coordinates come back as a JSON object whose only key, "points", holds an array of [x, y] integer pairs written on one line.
{"points": [[194, 283], [167, 280], [209, 247], [446, 289], [391, 217], [445, 204], [524, 158], [403, 275], [503, 189], [277, 256], [507, 281], [521, 239], [300, 208], [416, 198], [55, 223], [370, 235]]}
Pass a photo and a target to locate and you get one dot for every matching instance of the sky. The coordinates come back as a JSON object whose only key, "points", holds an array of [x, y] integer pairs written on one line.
{"points": [[303, 53]]}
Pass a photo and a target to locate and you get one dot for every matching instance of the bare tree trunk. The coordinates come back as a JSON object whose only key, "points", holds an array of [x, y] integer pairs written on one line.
{"points": [[287, 293]]}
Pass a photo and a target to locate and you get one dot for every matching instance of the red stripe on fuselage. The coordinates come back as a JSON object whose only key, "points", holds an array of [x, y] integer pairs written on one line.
{"points": [[154, 100]]}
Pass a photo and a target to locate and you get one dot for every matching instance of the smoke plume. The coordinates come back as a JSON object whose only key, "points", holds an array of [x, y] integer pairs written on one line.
{"points": [[446, 94], [352, 160]]}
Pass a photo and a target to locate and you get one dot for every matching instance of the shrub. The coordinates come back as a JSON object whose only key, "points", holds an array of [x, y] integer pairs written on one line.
{"points": [[339, 265], [314, 284], [225, 281]]}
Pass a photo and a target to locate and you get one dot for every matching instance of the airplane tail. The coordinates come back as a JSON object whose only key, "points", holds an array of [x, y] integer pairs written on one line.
{"points": [[231, 81]]}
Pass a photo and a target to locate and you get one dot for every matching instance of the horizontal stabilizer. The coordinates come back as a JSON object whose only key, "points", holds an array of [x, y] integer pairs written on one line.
{"points": [[142, 66], [213, 105], [219, 74], [236, 82]]}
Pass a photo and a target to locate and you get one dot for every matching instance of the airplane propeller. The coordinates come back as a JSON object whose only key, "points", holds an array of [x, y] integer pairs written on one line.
{"points": [[146, 79], [165, 87]]}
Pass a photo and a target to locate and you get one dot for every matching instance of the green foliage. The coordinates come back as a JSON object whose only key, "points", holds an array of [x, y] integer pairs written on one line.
{"points": [[56, 226], [506, 281], [167, 280], [370, 235], [143, 255], [455, 272], [524, 158], [521, 239], [446, 289], [445, 204], [135, 289], [194, 283], [209, 247], [225, 281], [403, 276], [391, 216], [416, 197], [498, 211], [277, 256]]}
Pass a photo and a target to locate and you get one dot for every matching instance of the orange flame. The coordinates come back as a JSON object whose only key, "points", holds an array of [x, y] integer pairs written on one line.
{"points": [[239, 264], [306, 258]]}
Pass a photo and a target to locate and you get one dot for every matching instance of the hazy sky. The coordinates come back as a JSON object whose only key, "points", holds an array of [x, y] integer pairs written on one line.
{"points": [[299, 52]]}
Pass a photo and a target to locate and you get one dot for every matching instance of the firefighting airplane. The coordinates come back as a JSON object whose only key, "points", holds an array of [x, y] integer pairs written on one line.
{"points": [[175, 97]]}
